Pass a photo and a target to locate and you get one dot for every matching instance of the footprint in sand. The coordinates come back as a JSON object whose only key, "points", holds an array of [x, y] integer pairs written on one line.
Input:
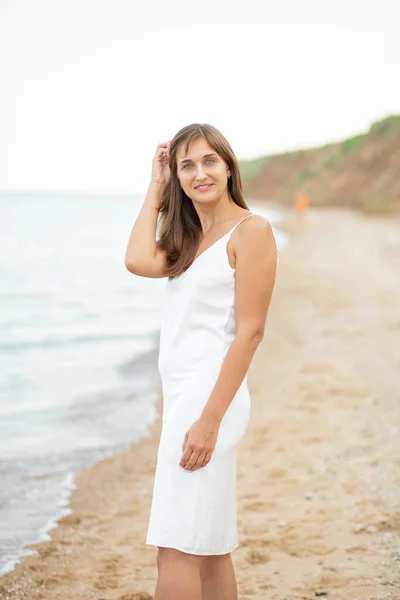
{"points": [[260, 435], [354, 393], [277, 473], [249, 591], [256, 542], [255, 557], [356, 549], [48, 548], [108, 577], [267, 586], [332, 580], [258, 506], [127, 513], [315, 440], [295, 545], [392, 521]]}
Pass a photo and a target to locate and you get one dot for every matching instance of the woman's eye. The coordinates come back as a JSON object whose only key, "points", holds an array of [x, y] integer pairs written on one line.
{"points": [[208, 160]]}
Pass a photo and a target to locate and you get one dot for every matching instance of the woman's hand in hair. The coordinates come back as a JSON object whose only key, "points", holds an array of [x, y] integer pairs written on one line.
{"points": [[161, 172]]}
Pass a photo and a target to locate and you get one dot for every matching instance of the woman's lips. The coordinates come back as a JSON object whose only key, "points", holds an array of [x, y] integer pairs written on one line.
{"points": [[204, 188]]}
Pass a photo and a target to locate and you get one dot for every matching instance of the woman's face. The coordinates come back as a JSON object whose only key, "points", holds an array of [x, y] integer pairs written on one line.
{"points": [[202, 173]]}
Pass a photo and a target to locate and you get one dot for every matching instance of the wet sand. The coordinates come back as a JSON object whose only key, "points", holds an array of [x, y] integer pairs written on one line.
{"points": [[319, 467]]}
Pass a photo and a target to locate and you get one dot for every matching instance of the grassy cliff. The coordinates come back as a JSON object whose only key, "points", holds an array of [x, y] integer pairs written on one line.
{"points": [[362, 172]]}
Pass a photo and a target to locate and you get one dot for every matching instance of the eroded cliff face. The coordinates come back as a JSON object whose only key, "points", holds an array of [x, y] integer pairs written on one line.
{"points": [[362, 172]]}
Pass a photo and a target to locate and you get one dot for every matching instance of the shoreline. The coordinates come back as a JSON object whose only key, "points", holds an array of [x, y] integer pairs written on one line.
{"points": [[322, 406]]}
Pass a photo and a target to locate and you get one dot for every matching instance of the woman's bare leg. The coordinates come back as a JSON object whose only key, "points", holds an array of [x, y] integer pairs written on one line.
{"points": [[178, 575], [218, 581]]}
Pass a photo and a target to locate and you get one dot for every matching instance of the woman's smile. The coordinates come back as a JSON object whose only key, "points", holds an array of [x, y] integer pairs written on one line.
{"points": [[204, 188]]}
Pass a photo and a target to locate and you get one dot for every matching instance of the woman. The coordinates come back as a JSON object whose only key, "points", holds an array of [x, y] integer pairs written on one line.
{"points": [[220, 281]]}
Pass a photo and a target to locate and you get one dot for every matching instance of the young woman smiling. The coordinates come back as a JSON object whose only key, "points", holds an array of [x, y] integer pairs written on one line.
{"points": [[220, 260]]}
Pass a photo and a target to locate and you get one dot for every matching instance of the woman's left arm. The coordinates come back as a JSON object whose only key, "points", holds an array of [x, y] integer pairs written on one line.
{"points": [[256, 263]]}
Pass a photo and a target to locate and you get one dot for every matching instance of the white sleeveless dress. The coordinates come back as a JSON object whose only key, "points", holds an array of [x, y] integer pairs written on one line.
{"points": [[195, 511]]}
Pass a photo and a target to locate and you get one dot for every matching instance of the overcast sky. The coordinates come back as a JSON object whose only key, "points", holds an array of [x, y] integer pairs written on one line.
{"points": [[89, 87]]}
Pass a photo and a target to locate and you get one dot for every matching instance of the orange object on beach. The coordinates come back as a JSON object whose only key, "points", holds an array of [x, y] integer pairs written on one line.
{"points": [[302, 202]]}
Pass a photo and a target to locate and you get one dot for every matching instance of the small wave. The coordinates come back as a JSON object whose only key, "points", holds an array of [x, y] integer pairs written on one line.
{"points": [[78, 340]]}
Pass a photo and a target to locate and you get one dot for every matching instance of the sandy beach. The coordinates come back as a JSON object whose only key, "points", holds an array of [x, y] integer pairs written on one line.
{"points": [[319, 467]]}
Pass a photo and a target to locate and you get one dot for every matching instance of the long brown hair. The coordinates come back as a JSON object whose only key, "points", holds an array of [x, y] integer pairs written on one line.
{"points": [[179, 225]]}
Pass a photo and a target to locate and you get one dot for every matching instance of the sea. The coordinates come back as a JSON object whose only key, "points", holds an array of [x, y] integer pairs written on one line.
{"points": [[79, 341]]}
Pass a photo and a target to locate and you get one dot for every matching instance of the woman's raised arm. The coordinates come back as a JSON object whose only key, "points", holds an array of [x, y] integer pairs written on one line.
{"points": [[142, 256]]}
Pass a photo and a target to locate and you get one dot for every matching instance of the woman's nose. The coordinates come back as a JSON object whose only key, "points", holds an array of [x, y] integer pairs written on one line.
{"points": [[200, 174]]}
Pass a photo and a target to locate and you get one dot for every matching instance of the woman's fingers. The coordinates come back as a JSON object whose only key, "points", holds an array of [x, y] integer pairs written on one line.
{"points": [[199, 462], [188, 459], [207, 459], [186, 455], [162, 150], [160, 170], [195, 460], [192, 461], [198, 445]]}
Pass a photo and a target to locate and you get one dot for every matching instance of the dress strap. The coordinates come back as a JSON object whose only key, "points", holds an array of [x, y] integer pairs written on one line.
{"points": [[238, 223]]}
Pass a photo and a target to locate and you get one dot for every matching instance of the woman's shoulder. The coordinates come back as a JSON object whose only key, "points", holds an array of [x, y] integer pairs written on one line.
{"points": [[255, 223], [255, 230]]}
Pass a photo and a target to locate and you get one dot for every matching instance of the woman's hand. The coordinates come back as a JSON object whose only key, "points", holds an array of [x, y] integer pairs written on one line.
{"points": [[199, 444], [160, 172]]}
